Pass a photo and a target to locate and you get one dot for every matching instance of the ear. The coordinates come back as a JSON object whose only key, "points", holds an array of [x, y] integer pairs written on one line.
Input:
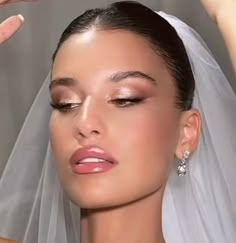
{"points": [[190, 130]]}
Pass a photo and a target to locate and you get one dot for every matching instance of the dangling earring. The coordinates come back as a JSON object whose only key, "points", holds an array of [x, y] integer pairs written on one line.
{"points": [[182, 169]]}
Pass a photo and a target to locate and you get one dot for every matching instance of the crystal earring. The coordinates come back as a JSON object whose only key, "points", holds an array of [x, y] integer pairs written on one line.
{"points": [[182, 169]]}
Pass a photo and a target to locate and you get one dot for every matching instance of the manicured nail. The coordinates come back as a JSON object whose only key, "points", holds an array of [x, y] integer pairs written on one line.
{"points": [[20, 16]]}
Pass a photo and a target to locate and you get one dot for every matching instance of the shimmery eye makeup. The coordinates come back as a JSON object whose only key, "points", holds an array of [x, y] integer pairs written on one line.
{"points": [[127, 102], [65, 107]]}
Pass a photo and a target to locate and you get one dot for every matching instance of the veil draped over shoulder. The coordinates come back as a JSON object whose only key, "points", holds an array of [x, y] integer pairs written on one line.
{"points": [[198, 208]]}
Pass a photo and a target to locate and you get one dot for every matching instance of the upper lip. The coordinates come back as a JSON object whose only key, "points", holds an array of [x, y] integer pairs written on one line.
{"points": [[90, 152]]}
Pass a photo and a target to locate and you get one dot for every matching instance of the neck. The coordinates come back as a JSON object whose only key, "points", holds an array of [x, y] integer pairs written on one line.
{"points": [[136, 222]]}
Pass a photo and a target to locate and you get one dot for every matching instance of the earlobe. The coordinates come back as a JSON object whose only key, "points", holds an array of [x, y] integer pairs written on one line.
{"points": [[190, 130]]}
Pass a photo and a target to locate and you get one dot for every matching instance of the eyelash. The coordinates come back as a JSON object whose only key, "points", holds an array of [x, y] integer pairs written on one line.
{"points": [[64, 107], [127, 102], [120, 102]]}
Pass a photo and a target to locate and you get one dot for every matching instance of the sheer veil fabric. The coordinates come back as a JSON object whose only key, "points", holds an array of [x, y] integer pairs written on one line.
{"points": [[201, 207], [197, 208]]}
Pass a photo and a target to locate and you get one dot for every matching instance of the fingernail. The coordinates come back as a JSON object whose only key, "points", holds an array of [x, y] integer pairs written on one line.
{"points": [[20, 16]]}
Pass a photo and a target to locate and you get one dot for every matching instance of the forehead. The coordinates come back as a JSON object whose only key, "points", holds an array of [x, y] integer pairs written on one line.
{"points": [[96, 52]]}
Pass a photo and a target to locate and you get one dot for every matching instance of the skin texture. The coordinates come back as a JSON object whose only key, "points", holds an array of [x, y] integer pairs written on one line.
{"points": [[143, 138]]}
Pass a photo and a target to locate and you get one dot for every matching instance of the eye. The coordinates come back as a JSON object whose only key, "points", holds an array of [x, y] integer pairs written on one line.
{"points": [[65, 107], [126, 102]]}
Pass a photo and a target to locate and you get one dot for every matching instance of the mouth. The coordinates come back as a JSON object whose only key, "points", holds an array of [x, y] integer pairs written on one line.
{"points": [[90, 160]]}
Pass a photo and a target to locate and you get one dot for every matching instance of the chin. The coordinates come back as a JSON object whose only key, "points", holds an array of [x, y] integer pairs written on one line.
{"points": [[92, 192], [105, 191], [100, 199], [93, 199]]}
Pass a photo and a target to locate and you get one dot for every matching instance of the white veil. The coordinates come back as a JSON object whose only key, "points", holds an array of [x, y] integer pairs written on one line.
{"points": [[197, 208], [202, 206]]}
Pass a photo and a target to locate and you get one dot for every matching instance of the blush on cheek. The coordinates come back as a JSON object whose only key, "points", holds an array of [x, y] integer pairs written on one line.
{"points": [[154, 134]]}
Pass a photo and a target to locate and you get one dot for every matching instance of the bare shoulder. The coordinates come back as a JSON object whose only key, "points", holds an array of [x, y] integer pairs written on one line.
{"points": [[7, 241]]}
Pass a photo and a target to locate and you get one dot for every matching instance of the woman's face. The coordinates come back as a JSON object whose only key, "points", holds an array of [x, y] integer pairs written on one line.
{"points": [[124, 104]]}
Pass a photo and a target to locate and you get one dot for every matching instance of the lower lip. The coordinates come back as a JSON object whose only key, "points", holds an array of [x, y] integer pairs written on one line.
{"points": [[92, 168]]}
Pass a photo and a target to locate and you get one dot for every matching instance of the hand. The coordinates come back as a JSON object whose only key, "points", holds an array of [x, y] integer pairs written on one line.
{"points": [[5, 2], [10, 26], [214, 7]]}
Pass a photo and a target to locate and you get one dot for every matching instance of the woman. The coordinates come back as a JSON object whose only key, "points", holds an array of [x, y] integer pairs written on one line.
{"points": [[114, 69]]}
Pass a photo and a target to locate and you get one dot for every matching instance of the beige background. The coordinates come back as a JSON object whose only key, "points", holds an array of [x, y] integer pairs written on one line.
{"points": [[25, 59]]}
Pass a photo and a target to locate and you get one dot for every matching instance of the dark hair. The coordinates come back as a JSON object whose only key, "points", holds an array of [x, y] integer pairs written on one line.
{"points": [[139, 19]]}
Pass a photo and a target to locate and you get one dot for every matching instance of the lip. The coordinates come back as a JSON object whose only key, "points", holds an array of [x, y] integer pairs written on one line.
{"points": [[91, 152]]}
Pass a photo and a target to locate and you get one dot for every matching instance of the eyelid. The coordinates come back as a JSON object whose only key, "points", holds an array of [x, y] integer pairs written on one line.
{"points": [[127, 97], [125, 91], [67, 101], [65, 96], [131, 98]]}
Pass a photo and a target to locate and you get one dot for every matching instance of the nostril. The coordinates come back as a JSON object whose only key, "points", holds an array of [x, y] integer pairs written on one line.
{"points": [[81, 134], [95, 132], [88, 133]]}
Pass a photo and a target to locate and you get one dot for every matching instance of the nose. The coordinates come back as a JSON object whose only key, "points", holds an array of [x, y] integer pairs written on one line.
{"points": [[89, 122]]}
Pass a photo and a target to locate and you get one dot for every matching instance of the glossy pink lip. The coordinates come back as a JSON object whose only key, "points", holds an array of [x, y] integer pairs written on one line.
{"points": [[91, 152]]}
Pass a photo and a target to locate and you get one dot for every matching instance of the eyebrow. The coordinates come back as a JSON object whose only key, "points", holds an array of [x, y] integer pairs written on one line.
{"points": [[116, 77], [67, 82]]}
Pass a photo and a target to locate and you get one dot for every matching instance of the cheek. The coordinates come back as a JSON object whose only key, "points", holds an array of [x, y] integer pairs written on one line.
{"points": [[156, 133], [145, 144], [152, 131], [60, 139]]}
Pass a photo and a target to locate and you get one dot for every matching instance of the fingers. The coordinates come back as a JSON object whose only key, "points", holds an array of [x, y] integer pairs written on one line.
{"points": [[9, 27], [4, 2], [14, 1]]}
